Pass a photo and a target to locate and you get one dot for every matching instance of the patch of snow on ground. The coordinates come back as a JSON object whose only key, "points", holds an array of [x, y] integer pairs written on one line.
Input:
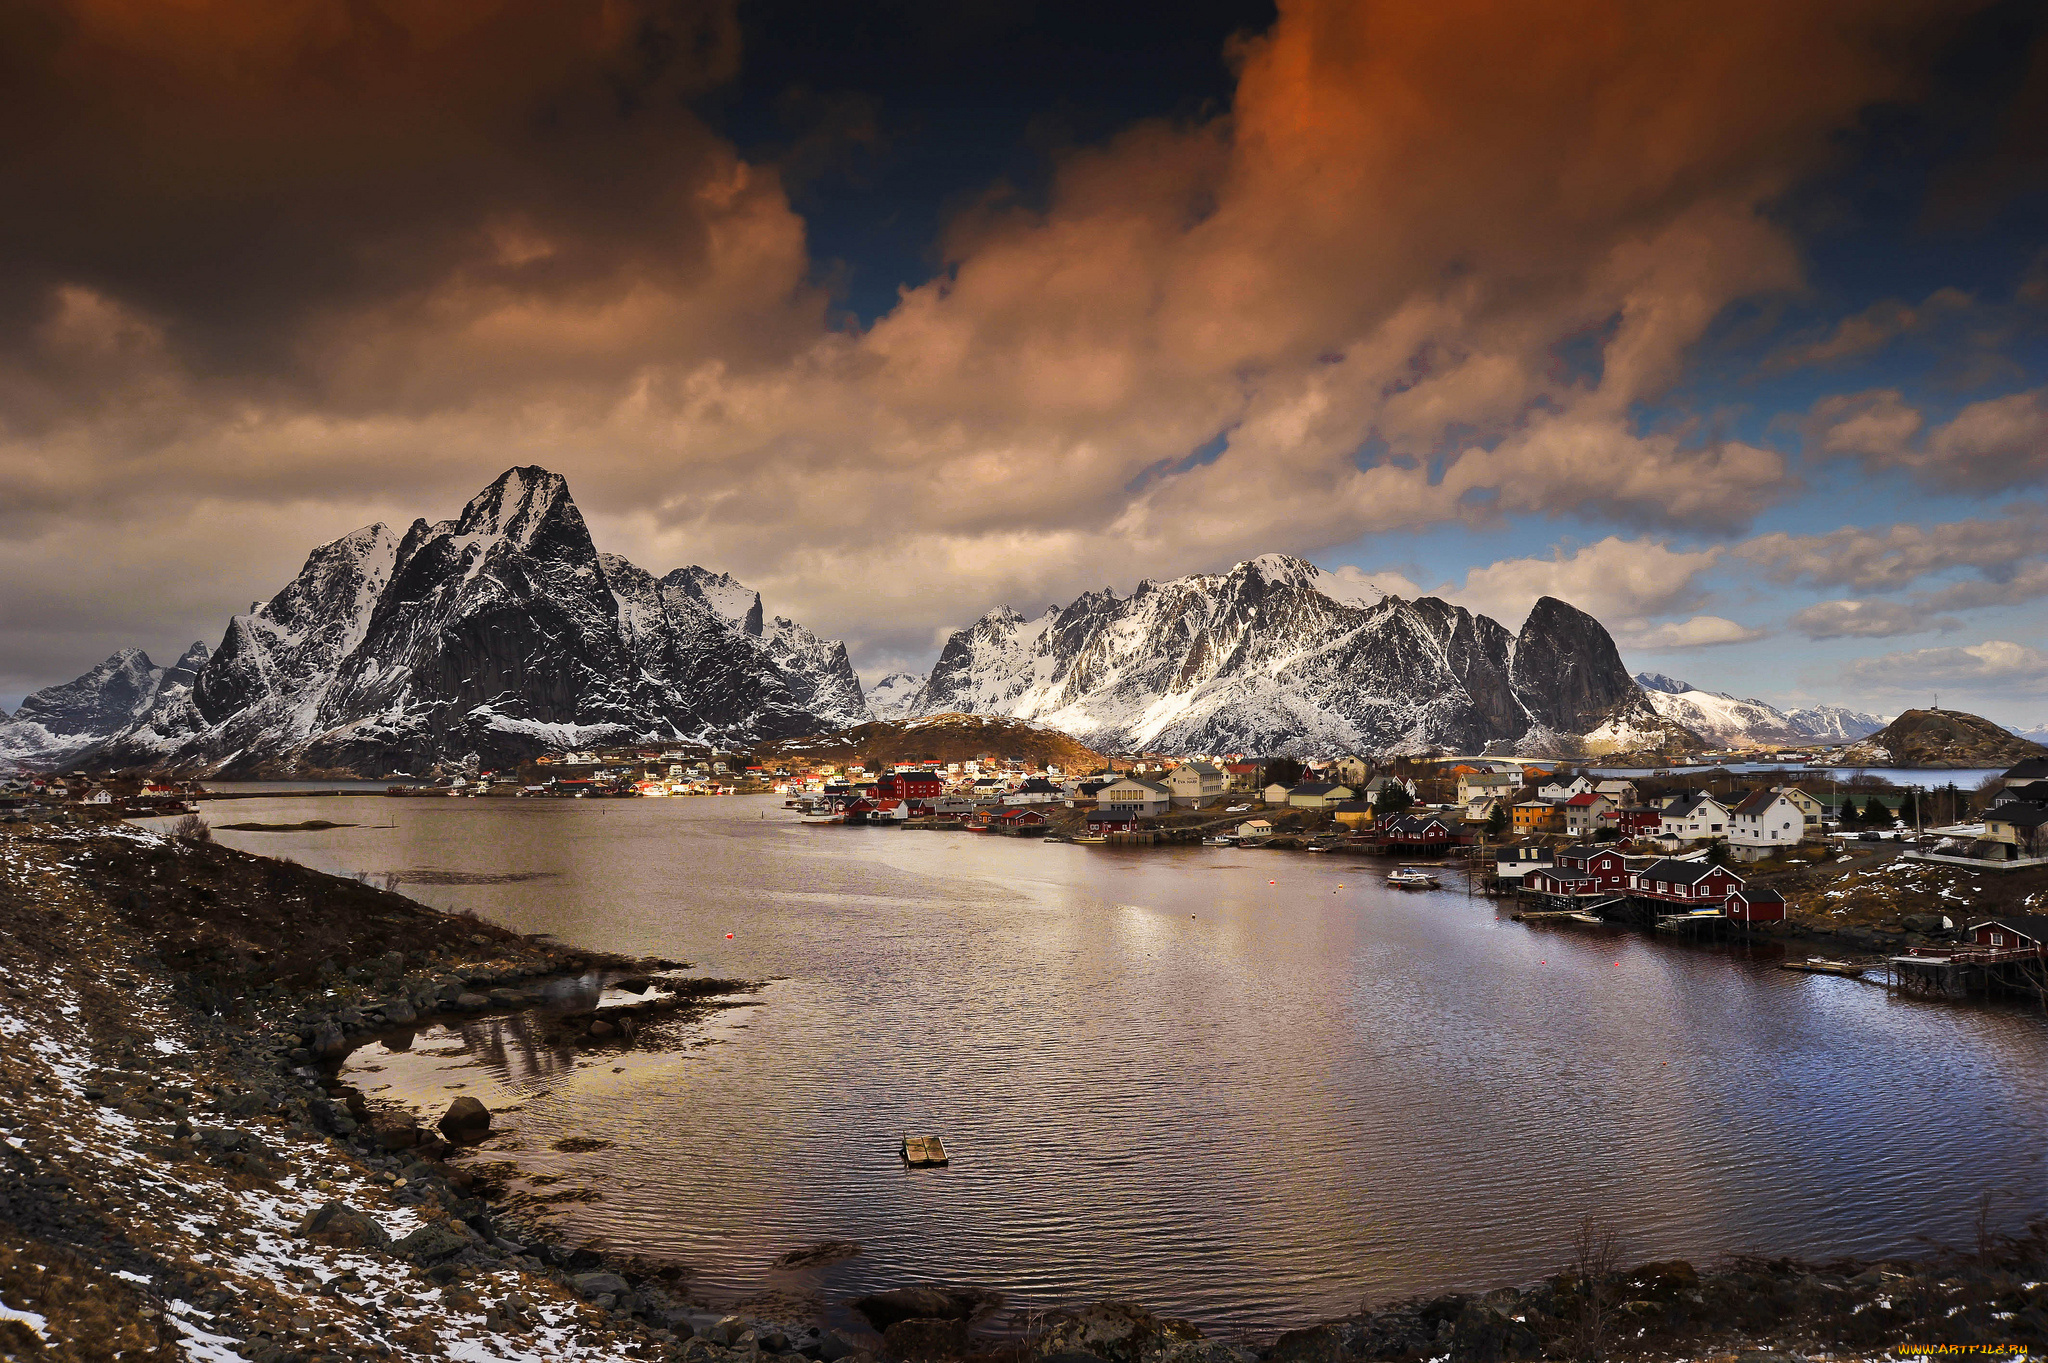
{"points": [[28, 1318]]}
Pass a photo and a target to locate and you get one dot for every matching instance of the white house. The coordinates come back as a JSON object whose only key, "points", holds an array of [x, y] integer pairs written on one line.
{"points": [[1135, 795], [1557, 794], [1486, 785], [1584, 812], [1318, 795], [1351, 769], [1194, 782], [1766, 819], [1690, 818], [1255, 828], [1276, 794], [1620, 794]]}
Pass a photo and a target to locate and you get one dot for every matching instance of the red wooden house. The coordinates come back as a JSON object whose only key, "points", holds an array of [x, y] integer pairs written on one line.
{"points": [[2015, 937], [908, 785], [1017, 819], [1636, 823], [1688, 885], [1112, 821], [1755, 904], [1581, 871]]}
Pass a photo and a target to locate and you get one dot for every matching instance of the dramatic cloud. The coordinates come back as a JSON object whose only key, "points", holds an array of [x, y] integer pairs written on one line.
{"points": [[2008, 554], [276, 254], [1702, 631], [1988, 446], [1867, 620], [1995, 665], [1620, 581], [1870, 330], [1900, 555]]}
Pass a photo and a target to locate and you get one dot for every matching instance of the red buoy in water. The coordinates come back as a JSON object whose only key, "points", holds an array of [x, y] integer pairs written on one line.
{"points": [[728, 937]]}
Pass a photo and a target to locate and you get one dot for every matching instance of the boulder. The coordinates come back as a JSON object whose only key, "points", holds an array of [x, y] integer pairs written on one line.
{"points": [[472, 1003], [602, 1030], [839, 1344], [399, 1012], [1118, 1332], [328, 1043], [432, 1243], [924, 1302], [926, 1341], [466, 1122], [341, 1225], [592, 1285], [1316, 1344], [396, 1130]]}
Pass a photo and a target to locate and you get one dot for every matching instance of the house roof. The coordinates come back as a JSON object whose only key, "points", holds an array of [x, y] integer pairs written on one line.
{"points": [[2032, 925], [1756, 802], [1685, 806], [1200, 768], [1585, 801], [1682, 872], [1759, 894], [1316, 788], [2032, 769], [2019, 815], [1155, 787]]}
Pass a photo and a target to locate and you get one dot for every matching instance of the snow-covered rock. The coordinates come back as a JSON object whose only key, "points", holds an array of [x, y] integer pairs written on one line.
{"points": [[1727, 721], [58, 723], [894, 695], [1265, 659], [500, 633]]}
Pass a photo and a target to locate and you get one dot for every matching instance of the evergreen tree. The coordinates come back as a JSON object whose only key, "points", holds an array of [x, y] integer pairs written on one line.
{"points": [[1909, 809], [1392, 799], [1497, 822]]}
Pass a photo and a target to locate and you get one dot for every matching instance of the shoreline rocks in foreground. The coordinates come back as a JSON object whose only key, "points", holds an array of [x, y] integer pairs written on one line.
{"points": [[179, 1177]]}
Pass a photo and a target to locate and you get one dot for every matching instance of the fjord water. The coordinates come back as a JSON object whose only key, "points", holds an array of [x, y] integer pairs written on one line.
{"points": [[1208, 1079]]}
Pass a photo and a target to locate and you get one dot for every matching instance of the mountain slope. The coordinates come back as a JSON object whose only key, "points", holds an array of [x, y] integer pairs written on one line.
{"points": [[495, 635], [59, 723], [1942, 738], [1728, 722], [1263, 659]]}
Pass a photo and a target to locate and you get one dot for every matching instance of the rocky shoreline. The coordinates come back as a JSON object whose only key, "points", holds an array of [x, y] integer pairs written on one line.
{"points": [[182, 1176]]}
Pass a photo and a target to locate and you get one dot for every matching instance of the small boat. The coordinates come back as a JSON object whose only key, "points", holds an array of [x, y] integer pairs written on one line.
{"points": [[1411, 880], [1218, 842], [820, 816], [1815, 965], [1080, 837], [923, 1152], [1581, 916]]}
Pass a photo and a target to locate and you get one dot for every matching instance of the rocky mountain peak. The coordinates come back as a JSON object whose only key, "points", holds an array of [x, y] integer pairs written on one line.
{"points": [[1567, 668], [520, 505], [1658, 681]]}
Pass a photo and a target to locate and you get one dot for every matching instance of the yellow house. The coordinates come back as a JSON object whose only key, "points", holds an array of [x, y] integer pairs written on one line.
{"points": [[1352, 813], [1539, 816]]}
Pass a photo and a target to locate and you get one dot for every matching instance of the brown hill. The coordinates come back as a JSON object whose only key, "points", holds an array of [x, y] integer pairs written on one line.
{"points": [[1941, 738], [942, 738]]}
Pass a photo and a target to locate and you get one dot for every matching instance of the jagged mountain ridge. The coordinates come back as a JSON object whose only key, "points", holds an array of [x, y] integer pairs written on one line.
{"points": [[1729, 722], [497, 634], [1275, 657], [56, 724]]}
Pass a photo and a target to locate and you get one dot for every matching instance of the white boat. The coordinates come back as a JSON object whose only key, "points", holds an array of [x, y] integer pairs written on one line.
{"points": [[1411, 880], [1219, 842]]}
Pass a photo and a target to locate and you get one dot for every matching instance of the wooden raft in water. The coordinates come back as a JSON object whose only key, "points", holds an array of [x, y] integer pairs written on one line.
{"points": [[921, 1152]]}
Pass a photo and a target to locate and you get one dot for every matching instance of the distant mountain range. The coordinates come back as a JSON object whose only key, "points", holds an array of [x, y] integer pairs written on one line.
{"points": [[1725, 721], [499, 634], [1278, 656], [505, 632]]}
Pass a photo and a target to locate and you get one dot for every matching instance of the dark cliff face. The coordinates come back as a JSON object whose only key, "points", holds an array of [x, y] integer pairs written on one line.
{"points": [[1566, 669]]}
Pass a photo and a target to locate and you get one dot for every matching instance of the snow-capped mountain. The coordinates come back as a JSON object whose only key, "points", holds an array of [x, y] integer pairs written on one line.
{"points": [[1728, 722], [56, 724], [500, 633], [893, 696], [1266, 658]]}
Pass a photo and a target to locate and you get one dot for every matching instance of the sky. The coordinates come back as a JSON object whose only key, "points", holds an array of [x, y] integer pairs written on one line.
{"points": [[1728, 324]]}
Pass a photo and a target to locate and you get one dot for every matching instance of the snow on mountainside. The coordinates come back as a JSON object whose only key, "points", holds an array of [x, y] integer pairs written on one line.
{"points": [[1264, 658], [1729, 722], [497, 634], [56, 724], [892, 696]]}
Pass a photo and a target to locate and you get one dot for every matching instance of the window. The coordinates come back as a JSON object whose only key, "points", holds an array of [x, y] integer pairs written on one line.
{"points": [[1998, 939]]}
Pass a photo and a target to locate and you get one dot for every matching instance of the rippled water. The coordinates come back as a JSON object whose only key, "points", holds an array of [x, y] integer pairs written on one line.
{"points": [[1245, 1087]]}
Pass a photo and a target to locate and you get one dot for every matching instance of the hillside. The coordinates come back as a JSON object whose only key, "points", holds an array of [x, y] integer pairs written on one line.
{"points": [[943, 738], [1941, 738]]}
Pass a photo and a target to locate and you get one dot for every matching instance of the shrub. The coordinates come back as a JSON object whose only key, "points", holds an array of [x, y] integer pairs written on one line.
{"points": [[192, 828]]}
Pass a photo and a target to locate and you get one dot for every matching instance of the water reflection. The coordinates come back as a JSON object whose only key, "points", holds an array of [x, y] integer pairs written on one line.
{"points": [[1209, 1079]]}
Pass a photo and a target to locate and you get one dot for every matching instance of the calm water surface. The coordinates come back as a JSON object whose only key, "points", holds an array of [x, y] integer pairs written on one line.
{"points": [[1244, 1087]]}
